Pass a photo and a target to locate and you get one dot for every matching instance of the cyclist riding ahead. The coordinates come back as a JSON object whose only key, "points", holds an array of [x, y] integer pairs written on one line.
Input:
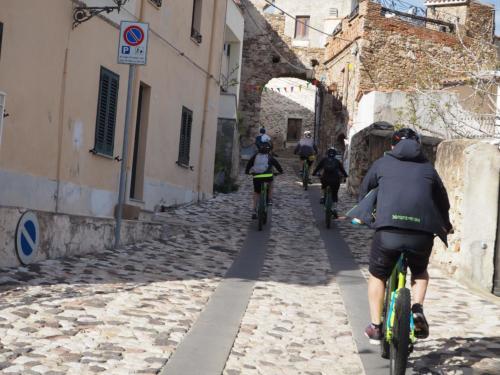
{"points": [[262, 138], [332, 170], [412, 205], [306, 149], [261, 167]]}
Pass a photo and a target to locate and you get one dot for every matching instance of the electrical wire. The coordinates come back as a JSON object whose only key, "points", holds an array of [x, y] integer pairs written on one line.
{"points": [[306, 25], [171, 45], [271, 44]]}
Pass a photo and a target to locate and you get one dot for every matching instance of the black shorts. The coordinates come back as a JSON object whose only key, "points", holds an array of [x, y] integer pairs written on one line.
{"points": [[257, 183], [309, 161], [388, 244]]}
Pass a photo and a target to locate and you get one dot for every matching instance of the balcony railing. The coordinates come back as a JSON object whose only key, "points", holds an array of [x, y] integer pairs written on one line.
{"points": [[421, 21]]}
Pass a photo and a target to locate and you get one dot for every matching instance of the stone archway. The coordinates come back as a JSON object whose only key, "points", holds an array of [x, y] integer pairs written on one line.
{"points": [[268, 53]]}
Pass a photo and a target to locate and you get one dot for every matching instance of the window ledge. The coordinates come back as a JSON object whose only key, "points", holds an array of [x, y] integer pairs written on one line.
{"points": [[156, 3], [97, 153], [136, 202], [195, 41], [185, 166]]}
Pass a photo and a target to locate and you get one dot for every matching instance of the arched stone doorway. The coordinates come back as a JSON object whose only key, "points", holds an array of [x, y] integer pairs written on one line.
{"points": [[268, 53], [287, 110]]}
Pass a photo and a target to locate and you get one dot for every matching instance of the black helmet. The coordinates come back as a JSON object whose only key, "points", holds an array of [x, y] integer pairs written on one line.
{"points": [[262, 130], [405, 133], [265, 148], [331, 153]]}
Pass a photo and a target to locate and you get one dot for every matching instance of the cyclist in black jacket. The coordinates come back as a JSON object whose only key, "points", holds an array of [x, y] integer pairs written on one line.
{"points": [[332, 171], [412, 205]]}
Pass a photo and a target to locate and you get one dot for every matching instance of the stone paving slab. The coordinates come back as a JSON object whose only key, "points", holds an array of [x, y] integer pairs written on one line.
{"points": [[296, 322], [464, 325], [118, 312]]}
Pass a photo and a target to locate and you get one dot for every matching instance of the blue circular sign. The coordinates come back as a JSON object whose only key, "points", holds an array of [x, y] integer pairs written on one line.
{"points": [[27, 237], [133, 35]]}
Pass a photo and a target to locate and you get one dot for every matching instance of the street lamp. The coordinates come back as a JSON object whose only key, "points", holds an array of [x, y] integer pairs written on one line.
{"points": [[84, 13]]}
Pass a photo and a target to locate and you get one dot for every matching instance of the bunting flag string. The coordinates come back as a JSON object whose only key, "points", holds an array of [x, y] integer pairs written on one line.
{"points": [[284, 89]]}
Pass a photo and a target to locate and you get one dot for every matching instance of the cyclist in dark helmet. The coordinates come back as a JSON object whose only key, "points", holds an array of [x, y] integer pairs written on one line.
{"points": [[262, 138], [332, 171], [412, 205], [261, 167]]}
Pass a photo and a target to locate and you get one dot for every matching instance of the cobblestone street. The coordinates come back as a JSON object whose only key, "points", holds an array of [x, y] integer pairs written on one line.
{"points": [[125, 312]]}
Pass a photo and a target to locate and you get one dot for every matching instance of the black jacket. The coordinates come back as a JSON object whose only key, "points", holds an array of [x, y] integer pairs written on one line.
{"points": [[333, 175], [272, 163], [410, 193]]}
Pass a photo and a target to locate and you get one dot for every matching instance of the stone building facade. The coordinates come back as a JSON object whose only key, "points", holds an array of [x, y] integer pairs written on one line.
{"points": [[377, 49], [287, 110]]}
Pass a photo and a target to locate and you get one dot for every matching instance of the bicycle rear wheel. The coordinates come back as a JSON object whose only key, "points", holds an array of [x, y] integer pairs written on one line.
{"points": [[261, 211], [328, 209], [400, 346], [305, 175]]}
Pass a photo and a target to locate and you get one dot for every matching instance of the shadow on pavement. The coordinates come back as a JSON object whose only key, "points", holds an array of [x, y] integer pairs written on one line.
{"points": [[458, 355]]}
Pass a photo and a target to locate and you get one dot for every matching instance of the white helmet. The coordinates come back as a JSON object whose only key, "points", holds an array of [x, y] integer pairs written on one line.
{"points": [[307, 134]]}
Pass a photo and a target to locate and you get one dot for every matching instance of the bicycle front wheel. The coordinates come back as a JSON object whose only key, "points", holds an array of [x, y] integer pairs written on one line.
{"points": [[400, 346]]}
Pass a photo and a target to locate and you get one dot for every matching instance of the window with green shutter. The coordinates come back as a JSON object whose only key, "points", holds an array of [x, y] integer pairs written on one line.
{"points": [[106, 112], [185, 137], [1, 37]]}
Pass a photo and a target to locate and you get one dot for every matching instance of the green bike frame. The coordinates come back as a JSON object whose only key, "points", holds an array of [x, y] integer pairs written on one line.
{"points": [[396, 282], [305, 174], [262, 204]]}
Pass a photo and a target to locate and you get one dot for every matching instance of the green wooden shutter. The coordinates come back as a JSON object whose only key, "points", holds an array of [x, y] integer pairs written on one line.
{"points": [[106, 112], [185, 136], [1, 37]]}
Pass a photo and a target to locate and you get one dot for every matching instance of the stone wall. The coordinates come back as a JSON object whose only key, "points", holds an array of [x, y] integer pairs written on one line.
{"points": [[68, 235], [333, 123], [470, 171], [227, 155], [399, 55], [370, 144], [278, 107], [373, 52]]}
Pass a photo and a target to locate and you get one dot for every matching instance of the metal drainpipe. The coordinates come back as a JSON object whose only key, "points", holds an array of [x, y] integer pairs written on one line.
{"points": [[207, 89], [135, 98], [61, 125], [496, 269]]}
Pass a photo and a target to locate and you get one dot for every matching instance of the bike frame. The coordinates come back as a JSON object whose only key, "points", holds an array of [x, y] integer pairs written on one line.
{"points": [[396, 282]]}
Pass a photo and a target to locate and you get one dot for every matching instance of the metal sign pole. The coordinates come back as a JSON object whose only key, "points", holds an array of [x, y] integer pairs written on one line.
{"points": [[123, 171]]}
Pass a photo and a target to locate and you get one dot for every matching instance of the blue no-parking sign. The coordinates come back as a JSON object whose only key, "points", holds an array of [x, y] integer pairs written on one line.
{"points": [[27, 237], [133, 46]]}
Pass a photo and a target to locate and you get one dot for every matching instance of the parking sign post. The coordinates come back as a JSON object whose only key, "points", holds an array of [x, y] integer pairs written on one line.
{"points": [[132, 50]]}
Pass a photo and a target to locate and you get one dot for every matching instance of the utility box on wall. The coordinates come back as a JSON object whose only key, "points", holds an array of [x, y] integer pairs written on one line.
{"points": [[2, 112]]}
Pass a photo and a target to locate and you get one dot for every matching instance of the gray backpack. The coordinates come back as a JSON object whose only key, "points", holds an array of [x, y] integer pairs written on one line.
{"points": [[261, 163]]}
